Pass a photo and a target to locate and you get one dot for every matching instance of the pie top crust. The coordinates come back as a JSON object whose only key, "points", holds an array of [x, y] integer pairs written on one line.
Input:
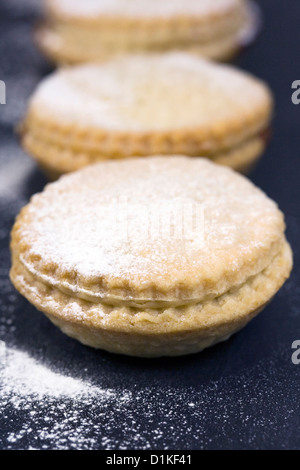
{"points": [[134, 97], [92, 10], [88, 234]]}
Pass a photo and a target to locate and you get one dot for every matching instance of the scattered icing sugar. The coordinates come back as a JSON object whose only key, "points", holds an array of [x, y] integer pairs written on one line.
{"points": [[22, 373], [55, 412], [29, 386], [14, 171]]}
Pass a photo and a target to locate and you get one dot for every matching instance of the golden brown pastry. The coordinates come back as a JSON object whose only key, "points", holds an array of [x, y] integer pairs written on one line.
{"points": [[160, 256], [147, 105], [86, 31]]}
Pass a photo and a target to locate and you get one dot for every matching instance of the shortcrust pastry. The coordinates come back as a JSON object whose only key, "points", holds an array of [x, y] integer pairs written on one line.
{"points": [[160, 256], [147, 105], [85, 31]]}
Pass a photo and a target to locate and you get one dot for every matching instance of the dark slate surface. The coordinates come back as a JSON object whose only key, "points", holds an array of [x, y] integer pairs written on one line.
{"points": [[242, 394]]}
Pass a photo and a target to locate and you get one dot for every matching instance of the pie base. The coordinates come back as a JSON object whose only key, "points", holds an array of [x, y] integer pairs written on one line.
{"points": [[155, 332], [56, 161]]}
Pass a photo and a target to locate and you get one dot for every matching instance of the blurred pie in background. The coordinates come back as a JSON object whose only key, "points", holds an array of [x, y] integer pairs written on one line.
{"points": [[141, 105], [80, 31]]}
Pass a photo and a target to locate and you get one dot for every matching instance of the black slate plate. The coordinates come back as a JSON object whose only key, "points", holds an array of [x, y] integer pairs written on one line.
{"points": [[242, 394]]}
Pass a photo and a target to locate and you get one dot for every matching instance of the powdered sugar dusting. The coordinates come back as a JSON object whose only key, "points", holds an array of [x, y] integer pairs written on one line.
{"points": [[29, 377], [128, 420], [69, 229], [133, 8], [28, 385], [155, 93]]}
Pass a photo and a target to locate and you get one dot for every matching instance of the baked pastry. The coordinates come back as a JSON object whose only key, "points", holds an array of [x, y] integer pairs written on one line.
{"points": [[160, 256], [147, 105], [87, 31]]}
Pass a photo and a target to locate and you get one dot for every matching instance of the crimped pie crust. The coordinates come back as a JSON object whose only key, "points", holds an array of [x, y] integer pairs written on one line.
{"points": [[56, 160], [147, 105], [144, 296], [155, 332], [77, 31]]}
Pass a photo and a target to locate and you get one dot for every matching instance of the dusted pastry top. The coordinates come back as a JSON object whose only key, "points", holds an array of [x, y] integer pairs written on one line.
{"points": [[159, 229], [92, 9], [176, 92], [77, 31]]}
